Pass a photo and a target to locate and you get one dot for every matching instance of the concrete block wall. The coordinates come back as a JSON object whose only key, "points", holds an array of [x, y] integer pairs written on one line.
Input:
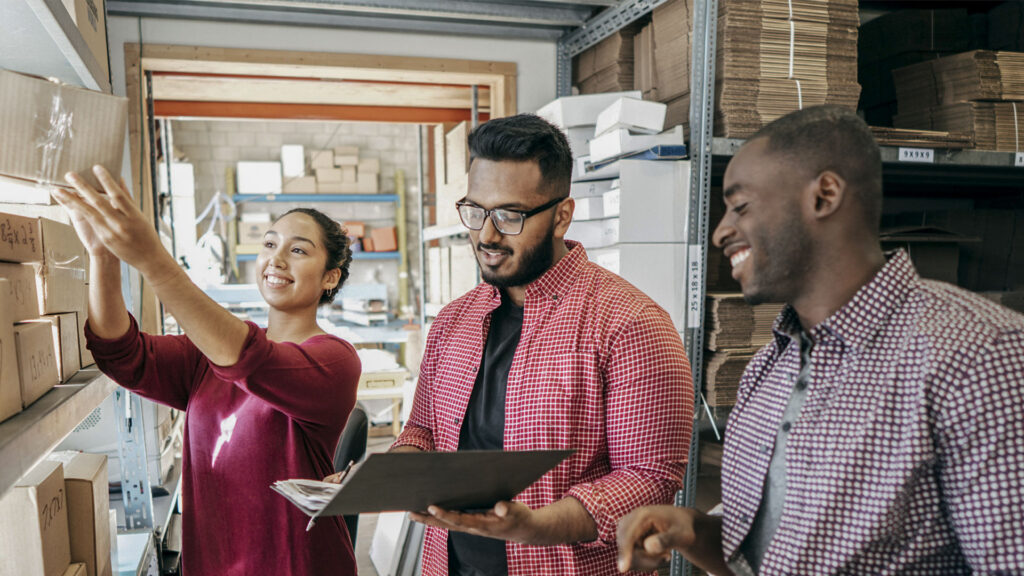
{"points": [[215, 146]]}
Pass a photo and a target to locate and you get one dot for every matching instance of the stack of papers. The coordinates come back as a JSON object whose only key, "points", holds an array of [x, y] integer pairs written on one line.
{"points": [[922, 138], [967, 77], [993, 125], [311, 496]]}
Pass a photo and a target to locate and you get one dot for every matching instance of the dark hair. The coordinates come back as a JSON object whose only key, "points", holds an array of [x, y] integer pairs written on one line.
{"points": [[526, 137], [831, 137], [339, 253]]}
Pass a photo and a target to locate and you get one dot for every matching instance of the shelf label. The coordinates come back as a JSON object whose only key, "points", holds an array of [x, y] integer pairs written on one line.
{"points": [[695, 288], [1019, 160], [924, 155]]}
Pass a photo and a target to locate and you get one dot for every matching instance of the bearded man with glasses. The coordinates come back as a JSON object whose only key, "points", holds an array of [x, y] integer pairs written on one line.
{"points": [[550, 352]]}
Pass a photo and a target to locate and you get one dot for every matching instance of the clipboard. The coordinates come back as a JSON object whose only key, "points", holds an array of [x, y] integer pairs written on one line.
{"points": [[412, 481]]}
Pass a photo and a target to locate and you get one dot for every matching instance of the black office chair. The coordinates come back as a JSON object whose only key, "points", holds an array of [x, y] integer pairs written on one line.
{"points": [[352, 448]]}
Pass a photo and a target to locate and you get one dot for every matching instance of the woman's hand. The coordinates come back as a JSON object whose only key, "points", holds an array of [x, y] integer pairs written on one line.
{"points": [[112, 220]]}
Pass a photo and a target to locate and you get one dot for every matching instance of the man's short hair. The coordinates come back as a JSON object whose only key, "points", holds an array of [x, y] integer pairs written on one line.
{"points": [[830, 137], [526, 137]]}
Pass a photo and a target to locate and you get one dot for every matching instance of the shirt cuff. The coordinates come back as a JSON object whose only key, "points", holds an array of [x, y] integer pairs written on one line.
{"points": [[591, 496], [415, 436]]}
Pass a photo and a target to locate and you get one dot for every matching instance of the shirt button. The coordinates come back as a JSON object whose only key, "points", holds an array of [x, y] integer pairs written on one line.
{"points": [[786, 426], [765, 449], [744, 518], [801, 384]]}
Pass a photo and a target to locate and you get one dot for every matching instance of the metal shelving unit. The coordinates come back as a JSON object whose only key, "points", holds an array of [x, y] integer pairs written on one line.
{"points": [[26, 438]]}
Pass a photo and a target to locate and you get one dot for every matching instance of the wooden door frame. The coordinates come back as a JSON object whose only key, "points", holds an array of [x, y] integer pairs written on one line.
{"points": [[499, 77]]}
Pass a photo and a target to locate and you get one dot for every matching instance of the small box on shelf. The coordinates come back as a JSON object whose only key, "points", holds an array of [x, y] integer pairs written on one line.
{"points": [[329, 175], [321, 159], [37, 360], [258, 177], [64, 331], [300, 185], [23, 301], [20, 240], [10, 381], [384, 239], [87, 487], [34, 524], [293, 161]]}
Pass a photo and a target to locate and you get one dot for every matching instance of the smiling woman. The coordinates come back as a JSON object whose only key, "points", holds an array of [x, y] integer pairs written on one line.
{"points": [[261, 405]]}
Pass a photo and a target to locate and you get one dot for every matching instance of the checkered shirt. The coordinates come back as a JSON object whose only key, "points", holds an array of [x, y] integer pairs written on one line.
{"points": [[908, 455], [599, 369]]}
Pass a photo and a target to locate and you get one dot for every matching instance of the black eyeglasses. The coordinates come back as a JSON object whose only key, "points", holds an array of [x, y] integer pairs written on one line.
{"points": [[506, 220]]}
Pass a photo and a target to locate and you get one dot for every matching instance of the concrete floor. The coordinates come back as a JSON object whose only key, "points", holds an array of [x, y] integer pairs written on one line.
{"points": [[368, 522]]}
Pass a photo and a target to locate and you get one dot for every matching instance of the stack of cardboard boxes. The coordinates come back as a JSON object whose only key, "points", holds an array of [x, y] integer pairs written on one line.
{"points": [[56, 522], [337, 170], [607, 66]]}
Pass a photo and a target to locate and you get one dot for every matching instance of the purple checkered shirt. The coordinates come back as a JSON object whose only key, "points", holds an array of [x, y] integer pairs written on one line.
{"points": [[908, 455]]}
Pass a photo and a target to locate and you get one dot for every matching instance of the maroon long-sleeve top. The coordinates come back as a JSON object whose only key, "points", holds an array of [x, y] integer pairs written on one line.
{"points": [[275, 414]]}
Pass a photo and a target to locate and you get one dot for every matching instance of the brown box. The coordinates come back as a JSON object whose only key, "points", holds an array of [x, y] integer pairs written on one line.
{"points": [[384, 239], [341, 161], [20, 240], [85, 480], [330, 187], [84, 355], [87, 128], [34, 524], [37, 360], [321, 159], [90, 16], [10, 381], [328, 175], [368, 183], [346, 151], [348, 174], [76, 569], [64, 328], [23, 301], [644, 74], [456, 147], [369, 165], [252, 232], [367, 243], [60, 281], [299, 185], [355, 229]]}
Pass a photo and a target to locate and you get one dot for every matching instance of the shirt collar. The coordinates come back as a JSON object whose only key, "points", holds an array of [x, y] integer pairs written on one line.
{"points": [[859, 319], [556, 281]]}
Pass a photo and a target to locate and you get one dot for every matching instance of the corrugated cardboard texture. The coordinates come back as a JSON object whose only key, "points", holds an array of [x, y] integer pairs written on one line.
{"points": [[34, 524], [37, 362], [51, 129], [23, 302], [10, 381], [85, 479], [20, 240]]}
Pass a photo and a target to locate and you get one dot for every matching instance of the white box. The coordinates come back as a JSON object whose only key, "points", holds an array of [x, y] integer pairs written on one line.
{"points": [[575, 111], [621, 141], [639, 116], [183, 178], [655, 204], [658, 270], [612, 203], [591, 208], [579, 139], [594, 233], [259, 177], [293, 161], [591, 188], [581, 174], [607, 258]]}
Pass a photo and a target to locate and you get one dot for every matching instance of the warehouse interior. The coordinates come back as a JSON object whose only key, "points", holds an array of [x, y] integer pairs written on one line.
{"points": [[222, 116]]}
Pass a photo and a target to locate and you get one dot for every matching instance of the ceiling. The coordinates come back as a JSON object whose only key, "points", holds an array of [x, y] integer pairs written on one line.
{"points": [[537, 19]]}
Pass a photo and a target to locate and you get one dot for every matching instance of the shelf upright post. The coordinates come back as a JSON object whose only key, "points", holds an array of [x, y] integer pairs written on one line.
{"points": [[421, 282], [702, 107], [131, 449]]}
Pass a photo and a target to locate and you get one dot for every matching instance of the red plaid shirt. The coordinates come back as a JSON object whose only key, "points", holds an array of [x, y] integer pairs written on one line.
{"points": [[599, 369]]}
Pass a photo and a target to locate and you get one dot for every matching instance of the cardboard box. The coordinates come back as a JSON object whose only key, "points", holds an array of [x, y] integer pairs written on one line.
{"points": [[60, 281], [37, 360], [592, 188], [34, 524], [86, 486], [90, 16], [658, 270], [300, 185], [612, 203], [293, 161], [346, 151], [328, 175], [456, 147], [23, 301], [90, 129], [76, 569], [655, 201], [384, 239], [369, 165], [20, 240], [84, 355], [591, 208], [579, 138], [321, 159], [64, 328], [638, 116], [573, 111], [368, 182], [644, 76], [10, 380], [332, 188], [345, 161], [252, 227], [607, 258], [447, 196], [594, 233], [348, 174], [259, 177], [355, 229]]}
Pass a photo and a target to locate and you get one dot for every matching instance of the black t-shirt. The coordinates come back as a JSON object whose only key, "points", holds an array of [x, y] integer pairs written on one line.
{"points": [[483, 428]]}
